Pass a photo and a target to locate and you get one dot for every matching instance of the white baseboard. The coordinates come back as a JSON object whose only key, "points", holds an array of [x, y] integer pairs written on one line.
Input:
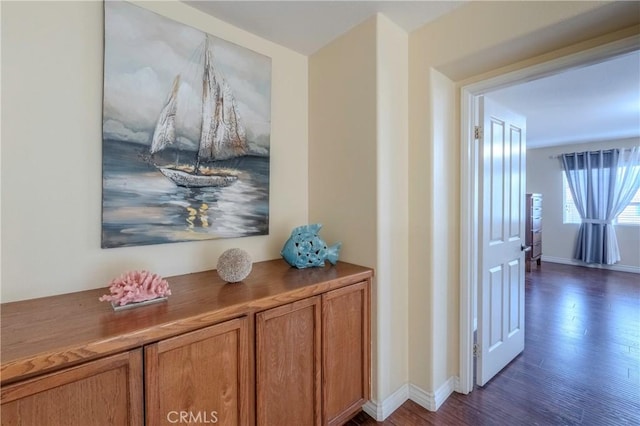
{"points": [[433, 400], [616, 267], [381, 411], [444, 391], [422, 397], [371, 408], [429, 400]]}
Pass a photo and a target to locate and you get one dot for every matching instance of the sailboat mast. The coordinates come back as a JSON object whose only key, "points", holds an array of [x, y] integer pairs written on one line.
{"points": [[206, 93]]}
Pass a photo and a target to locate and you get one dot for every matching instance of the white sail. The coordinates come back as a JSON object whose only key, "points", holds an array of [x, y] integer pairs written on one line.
{"points": [[165, 131], [222, 136]]}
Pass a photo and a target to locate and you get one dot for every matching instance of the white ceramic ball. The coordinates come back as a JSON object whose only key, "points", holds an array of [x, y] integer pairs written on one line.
{"points": [[234, 265]]}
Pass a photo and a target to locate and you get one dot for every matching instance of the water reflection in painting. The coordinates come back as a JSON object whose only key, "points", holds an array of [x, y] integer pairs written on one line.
{"points": [[141, 206]]}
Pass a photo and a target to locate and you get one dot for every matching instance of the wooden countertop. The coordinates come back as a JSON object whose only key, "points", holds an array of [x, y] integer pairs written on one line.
{"points": [[45, 334]]}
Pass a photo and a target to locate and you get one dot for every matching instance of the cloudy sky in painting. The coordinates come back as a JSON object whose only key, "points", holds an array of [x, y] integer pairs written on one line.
{"points": [[143, 54]]}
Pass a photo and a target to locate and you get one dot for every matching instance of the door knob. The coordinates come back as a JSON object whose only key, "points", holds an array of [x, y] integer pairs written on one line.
{"points": [[525, 248]]}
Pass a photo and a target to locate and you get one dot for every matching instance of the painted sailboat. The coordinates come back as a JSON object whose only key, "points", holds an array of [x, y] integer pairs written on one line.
{"points": [[222, 134]]}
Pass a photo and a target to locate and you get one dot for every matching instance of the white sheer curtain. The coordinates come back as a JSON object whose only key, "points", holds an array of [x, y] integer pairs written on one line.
{"points": [[602, 184]]}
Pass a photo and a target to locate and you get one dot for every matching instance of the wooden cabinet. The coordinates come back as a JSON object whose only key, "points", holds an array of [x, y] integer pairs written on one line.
{"points": [[103, 392], [345, 352], [204, 373], [311, 354], [202, 376], [284, 347], [533, 229], [288, 375]]}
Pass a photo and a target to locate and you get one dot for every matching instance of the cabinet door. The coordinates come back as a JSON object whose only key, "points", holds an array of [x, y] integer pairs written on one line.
{"points": [[288, 364], [346, 352], [199, 377], [107, 391]]}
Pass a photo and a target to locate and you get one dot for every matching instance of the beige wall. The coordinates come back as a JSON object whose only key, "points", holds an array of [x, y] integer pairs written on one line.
{"points": [[475, 41], [52, 139], [392, 63], [358, 188], [342, 152], [544, 175], [342, 142]]}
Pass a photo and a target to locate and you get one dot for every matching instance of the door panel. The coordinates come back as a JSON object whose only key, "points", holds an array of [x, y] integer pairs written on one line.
{"points": [[495, 308], [345, 352], [101, 392], [501, 289], [288, 358], [204, 373], [515, 293]]}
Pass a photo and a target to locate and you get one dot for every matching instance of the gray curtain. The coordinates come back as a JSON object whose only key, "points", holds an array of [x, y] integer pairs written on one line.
{"points": [[602, 184]]}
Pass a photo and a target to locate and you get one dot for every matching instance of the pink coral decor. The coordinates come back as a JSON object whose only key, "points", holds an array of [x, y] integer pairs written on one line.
{"points": [[136, 286]]}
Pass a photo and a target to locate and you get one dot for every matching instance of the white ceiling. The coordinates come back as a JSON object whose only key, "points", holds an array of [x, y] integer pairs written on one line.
{"points": [[306, 26], [592, 103]]}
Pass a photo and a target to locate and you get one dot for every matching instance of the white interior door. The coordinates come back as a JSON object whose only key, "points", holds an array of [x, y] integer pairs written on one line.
{"points": [[501, 287]]}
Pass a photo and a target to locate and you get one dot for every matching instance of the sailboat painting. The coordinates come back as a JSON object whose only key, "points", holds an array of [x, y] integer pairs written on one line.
{"points": [[185, 134]]}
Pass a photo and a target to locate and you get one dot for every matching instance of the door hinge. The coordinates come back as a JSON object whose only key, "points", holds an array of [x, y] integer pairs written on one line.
{"points": [[477, 132], [476, 350]]}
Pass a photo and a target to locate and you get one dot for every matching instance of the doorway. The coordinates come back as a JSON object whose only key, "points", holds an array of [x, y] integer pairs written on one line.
{"points": [[470, 249]]}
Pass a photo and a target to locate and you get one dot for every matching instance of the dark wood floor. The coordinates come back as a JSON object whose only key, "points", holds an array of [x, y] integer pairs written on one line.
{"points": [[581, 363]]}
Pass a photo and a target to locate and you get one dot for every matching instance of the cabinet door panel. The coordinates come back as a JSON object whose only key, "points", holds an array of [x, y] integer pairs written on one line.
{"points": [[200, 377], [107, 391], [346, 352], [288, 364]]}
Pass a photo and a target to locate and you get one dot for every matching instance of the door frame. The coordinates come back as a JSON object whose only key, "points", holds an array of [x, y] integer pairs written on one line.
{"points": [[469, 178]]}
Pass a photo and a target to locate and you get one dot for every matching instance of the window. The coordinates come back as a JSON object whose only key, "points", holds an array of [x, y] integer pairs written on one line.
{"points": [[629, 216], [570, 212]]}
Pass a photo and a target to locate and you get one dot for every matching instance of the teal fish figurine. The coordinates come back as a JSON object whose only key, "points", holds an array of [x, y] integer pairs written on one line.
{"points": [[305, 249]]}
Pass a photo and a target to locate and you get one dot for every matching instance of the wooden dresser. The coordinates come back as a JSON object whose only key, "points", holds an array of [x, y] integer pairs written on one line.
{"points": [[284, 347], [533, 229]]}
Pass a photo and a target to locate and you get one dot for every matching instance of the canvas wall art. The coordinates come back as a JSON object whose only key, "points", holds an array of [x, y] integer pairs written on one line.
{"points": [[186, 133]]}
